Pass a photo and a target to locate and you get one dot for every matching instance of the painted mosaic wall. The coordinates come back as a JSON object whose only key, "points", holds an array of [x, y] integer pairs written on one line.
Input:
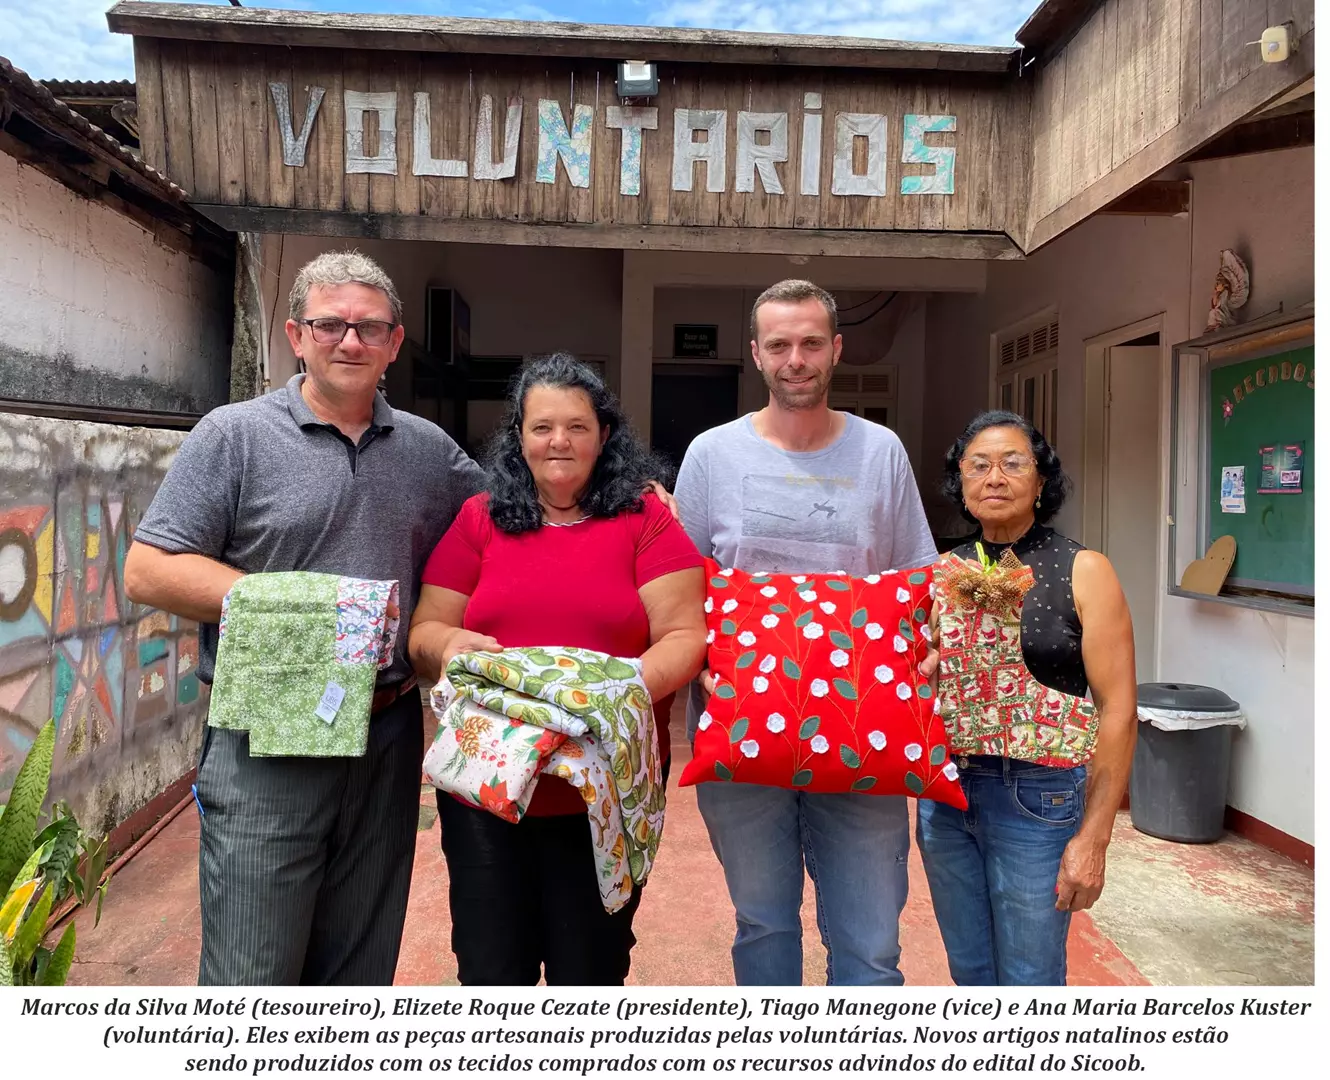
{"points": [[119, 679]]}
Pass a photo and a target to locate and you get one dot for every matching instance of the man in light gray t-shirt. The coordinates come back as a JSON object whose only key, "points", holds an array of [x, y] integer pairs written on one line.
{"points": [[799, 488]]}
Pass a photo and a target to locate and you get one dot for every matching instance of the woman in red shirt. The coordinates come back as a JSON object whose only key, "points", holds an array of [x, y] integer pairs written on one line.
{"points": [[563, 549]]}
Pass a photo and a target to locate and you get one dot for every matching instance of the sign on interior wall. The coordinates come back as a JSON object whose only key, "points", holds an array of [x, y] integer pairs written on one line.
{"points": [[696, 342]]}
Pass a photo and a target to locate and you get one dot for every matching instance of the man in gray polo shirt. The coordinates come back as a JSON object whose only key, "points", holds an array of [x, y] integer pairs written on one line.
{"points": [[305, 863]]}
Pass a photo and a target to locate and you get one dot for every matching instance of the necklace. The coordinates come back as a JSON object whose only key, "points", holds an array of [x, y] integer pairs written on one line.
{"points": [[566, 524]]}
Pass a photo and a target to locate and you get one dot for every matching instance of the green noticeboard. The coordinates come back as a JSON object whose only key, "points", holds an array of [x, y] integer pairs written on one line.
{"points": [[1262, 469]]}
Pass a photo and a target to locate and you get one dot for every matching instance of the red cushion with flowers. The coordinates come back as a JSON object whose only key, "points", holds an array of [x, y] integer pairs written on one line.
{"points": [[818, 687]]}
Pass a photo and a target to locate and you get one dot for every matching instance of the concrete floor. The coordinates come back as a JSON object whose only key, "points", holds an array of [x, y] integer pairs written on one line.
{"points": [[1226, 913]]}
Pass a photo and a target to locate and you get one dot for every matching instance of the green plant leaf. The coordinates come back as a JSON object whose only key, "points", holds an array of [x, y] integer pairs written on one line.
{"points": [[802, 778], [746, 659], [837, 585], [848, 756], [760, 579], [617, 669], [859, 619], [19, 824], [26, 873], [924, 691], [722, 773], [803, 586], [725, 691], [32, 931], [57, 969], [94, 864], [841, 639], [905, 630], [719, 583], [6, 965], [864, 783], [809, 727], [937, 755], [804, 619], [779, 609], [728, 626], [914, 783], [920, 616], [919, 577], [739, 729], [846, 689], [790, 668]]}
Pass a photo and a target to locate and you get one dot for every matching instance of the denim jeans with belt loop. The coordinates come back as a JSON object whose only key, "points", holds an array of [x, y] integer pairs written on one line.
{"points": [[993, 869]]}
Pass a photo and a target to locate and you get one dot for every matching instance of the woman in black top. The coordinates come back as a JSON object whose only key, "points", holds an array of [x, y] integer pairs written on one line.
{"points": [[1007, 873]]}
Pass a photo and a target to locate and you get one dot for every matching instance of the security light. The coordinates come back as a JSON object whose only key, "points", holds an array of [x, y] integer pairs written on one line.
{"points": [[637, 79]]}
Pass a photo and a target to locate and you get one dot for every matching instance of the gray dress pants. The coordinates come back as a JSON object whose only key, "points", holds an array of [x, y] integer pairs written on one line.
{"points": [[305, 863]]}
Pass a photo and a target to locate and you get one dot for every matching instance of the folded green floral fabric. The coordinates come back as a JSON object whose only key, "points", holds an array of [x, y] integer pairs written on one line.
{"points": [[297, 660], [497, 715]]}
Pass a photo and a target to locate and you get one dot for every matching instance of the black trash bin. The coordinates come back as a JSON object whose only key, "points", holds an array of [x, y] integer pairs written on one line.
{"points": [[1179, 774]]}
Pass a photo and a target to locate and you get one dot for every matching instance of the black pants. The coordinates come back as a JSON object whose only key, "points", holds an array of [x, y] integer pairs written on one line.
{"points": [[305, 863], [525, 895]]}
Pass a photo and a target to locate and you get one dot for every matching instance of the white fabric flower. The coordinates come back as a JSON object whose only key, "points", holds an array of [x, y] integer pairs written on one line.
{"points": [[748, 748], [902, 596], [760, 684], [913, 751], [877, 740], [704, 721], [768, 591], [708, 607], [900, 644], [727, 572], [883, 674], [729, 606], [874, 631], [807, 596], [799, 579], [747, 638], [932, 591], [937, 706], [903, 691], [819, 744], [813, 631], [819, 688], [775, 723], [873, 579], [926, 631], [840, 658], [828, 607], [768, 664], [950, 771], [770, 621], [711, 636]]}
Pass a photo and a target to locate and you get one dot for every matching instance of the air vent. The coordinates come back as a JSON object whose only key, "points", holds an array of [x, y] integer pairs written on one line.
{"points": [[845, 384], [1036, 343], [1008, 354], [1053, 334], [875, 384], [1023, 347], [1039, 338]]}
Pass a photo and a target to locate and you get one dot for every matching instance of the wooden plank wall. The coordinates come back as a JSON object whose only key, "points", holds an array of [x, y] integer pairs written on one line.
{"points": [[208, 120], [1135, 71]]}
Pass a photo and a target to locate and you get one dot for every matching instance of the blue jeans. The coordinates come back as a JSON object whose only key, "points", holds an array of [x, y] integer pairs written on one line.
{"points": [[993, 870], [855, 848]]}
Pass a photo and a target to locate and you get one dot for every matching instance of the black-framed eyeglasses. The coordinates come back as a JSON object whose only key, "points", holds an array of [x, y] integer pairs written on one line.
{"points": [[332, 331]]}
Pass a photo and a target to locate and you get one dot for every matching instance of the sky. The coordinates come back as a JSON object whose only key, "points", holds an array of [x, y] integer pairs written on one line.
{"points": [[68, 39]]}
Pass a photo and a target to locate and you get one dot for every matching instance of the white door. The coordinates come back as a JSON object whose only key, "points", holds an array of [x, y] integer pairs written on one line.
{"points": [[1133, 517]]}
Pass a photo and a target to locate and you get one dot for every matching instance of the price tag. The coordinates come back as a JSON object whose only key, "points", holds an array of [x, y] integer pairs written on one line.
{"points": [[330, 703]]}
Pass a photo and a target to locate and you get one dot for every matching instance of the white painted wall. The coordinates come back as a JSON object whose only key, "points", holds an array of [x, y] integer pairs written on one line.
{"points": [[1112, 271], [88, 286]]}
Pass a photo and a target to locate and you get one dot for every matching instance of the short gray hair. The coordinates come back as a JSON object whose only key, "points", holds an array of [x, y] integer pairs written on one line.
{"points": [[342, 268], [794, 291]]}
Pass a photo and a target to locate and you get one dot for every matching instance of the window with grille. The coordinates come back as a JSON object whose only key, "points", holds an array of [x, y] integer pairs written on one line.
{"points": [[1026, 380]]}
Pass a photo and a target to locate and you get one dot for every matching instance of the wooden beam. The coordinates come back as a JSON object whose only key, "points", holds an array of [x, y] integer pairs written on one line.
{"points": [[1154, 198], [1225, 109], [1260, 137], [856, 242], [416, 33]]}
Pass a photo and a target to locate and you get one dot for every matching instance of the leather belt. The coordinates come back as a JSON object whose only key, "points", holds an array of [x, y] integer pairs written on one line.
{"points": [[389, 694]]}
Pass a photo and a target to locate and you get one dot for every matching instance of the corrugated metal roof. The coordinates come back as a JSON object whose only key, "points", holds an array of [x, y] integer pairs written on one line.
{"points": [[66, 88], [43, 100]]}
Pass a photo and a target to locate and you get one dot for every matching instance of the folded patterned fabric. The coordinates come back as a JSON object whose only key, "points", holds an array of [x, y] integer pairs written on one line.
{"points": [[505, 718], [298, 656]]}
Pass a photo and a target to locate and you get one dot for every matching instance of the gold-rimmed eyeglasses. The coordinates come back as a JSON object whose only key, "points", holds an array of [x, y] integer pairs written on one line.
{"points": [[1012, 465]]}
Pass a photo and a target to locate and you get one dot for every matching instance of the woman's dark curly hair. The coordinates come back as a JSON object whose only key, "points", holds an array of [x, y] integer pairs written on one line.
{"points": [[1057, 485], [621, 472]]}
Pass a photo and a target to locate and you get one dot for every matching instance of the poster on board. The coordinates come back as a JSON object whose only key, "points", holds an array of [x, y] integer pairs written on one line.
{"points": [[1281, 469], [1233, 489]]}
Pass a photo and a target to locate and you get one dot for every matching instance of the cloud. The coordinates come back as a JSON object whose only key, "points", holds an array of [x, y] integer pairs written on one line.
{"points": [[68, 39]]}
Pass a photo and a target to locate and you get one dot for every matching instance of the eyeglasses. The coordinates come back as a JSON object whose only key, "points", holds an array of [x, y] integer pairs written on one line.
{"points": [[1013, 465], [332, 331]]}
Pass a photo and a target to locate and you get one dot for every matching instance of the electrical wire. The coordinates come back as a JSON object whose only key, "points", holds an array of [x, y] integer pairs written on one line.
{"points": [[880, 308]]}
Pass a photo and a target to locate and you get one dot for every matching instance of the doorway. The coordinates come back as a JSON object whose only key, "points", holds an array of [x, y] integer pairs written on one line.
{"points": [[1124, 470], [688, 399]]}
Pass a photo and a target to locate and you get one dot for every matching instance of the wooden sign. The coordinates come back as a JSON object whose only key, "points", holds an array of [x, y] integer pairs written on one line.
{"points": [[522, 139]]}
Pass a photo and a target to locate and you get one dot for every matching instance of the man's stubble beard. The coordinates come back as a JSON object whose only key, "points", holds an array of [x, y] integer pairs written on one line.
{"points": [[808, 398]]}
